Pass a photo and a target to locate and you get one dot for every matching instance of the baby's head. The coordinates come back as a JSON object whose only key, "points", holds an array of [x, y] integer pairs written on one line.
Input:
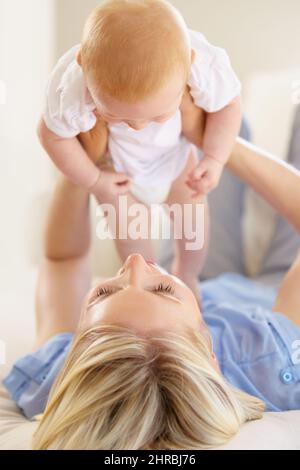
{"points": [[136, 57]]}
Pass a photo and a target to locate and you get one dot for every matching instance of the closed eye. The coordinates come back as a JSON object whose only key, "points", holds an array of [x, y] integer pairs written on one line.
{"points": [[166, 117], [164, 288], [106, 291]]}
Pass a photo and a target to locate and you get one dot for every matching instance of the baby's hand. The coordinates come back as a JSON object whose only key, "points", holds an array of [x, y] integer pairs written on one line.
{"points": [[112, 183], [206, 176]]}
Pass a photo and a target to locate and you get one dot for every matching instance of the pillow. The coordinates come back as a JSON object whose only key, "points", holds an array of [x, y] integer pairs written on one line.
{"points": [[274, 431], [15, 430]]}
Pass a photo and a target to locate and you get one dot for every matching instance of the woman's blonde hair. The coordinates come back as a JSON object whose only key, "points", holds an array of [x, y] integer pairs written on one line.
{"points": [[131, 48], [119, 390]]}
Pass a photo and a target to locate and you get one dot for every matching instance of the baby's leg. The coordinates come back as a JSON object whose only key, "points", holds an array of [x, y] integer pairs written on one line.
{"points": [[95, 143], [127, 246], [188, 263]]}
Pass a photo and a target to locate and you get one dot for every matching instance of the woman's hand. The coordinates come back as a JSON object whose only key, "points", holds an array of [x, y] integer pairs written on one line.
{"points": [[95, 141], [193, 120]]}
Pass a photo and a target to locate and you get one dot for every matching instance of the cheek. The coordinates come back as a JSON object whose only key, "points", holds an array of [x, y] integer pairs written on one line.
{"points": [[162, 118], [110, 120], [113, 121], [167, 117], [87, 299], [106, 118]]}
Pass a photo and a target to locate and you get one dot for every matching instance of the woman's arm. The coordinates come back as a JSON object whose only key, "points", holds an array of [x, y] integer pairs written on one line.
{"points": [[67, 232], [279, 184], [275, 180], [288, 297], [193, 119], [65, 277]]}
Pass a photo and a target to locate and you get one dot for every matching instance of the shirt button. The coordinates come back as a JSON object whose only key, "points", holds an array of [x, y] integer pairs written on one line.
{"points": [[286, 376]]}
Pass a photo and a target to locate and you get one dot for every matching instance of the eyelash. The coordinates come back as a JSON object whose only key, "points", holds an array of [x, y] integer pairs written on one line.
{"points": [[103, 291], [167, 288], [164, 288]]}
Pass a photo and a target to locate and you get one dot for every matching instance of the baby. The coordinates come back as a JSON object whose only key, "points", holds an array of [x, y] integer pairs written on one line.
{"points": [[136, 61]]}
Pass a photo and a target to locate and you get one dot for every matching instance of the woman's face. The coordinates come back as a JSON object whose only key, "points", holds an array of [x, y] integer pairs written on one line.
{"points": [[143, 297]]}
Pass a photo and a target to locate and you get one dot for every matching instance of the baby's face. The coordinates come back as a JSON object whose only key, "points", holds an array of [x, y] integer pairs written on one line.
{"points": [[160, 108]]}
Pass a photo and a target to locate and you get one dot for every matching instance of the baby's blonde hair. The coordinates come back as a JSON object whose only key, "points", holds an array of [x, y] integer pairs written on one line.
{"points": [[119, 390], [131, 48]]}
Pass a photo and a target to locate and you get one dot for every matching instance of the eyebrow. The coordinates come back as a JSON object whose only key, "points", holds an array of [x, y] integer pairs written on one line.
{"points": [[128, 119]]}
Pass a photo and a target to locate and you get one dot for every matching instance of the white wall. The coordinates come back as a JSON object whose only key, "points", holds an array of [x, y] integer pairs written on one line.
{"points": [[259, 35], [26, 56]]}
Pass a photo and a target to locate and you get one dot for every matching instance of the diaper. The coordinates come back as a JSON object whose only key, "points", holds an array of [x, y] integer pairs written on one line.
{"points": [[150, 195]]}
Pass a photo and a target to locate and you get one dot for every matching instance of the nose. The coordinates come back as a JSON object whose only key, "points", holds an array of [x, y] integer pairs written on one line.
{"points": [[136, 268]]}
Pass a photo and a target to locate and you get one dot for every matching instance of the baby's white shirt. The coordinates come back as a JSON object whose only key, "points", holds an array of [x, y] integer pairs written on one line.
{"points": [[156, 154]]}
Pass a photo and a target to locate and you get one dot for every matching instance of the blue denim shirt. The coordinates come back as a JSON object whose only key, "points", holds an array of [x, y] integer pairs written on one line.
{"points": [[258, 350]]}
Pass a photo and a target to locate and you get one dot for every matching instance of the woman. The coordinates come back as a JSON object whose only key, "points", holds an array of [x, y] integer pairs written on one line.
{"points": [[132, 363]]}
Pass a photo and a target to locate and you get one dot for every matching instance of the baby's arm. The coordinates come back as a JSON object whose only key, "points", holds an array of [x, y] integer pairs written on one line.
{"points": [[73, 161], [221, 131], [69, 156]]}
